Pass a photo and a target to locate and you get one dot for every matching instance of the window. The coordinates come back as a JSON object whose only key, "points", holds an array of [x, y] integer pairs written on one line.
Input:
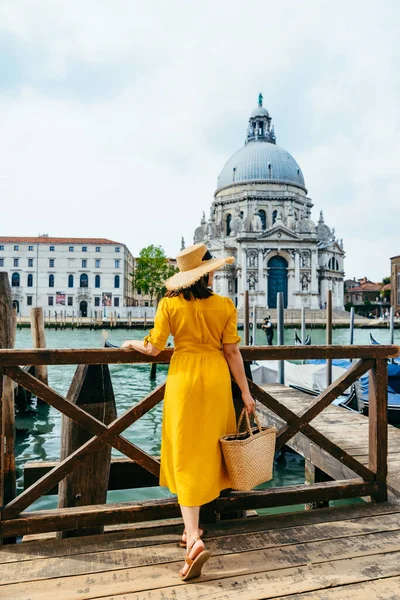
{"points": [[98, 249], [70, 301], [30, 262], [117, 249], [139, 291], [16, 248], [1, 247], [116, 281], [30, 280], [263, 218], [51, 300], [70, 281], [30, 248], [97, 264], [51, 248], [84, 281], [116, 264], [274, 216], [71, 249], [51, 280], [51, 262], [1, 262], [97, 301], [29, 300], [116, 301], [84, 263], [97, 281], [146, 303], [16, 262], [84, 248], [228, 224], [15, 280]]}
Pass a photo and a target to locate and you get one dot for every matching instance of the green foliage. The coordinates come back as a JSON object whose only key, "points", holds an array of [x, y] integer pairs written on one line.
{"points": [[348, 306], [385, 280], [151, 271]]}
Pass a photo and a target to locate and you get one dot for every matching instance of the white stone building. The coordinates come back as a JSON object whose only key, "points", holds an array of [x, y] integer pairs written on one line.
{"points": [[76, 275], [261, 214]]}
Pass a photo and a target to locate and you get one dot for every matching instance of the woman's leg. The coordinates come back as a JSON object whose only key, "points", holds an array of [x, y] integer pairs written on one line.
{"points": [[190, 515]]}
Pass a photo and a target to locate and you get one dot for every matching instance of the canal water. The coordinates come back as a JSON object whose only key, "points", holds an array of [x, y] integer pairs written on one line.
{"points": [[38, 433]]}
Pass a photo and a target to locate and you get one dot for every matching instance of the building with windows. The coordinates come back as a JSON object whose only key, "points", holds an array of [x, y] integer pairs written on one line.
{"points": [[261, 214], [78, 275]]}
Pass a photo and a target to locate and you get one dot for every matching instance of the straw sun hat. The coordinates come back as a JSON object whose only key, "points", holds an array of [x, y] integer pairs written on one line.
{"points": [[192, 267]]}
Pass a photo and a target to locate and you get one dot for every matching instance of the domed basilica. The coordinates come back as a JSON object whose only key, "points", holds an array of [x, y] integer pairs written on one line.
{"points": [[261, 214]]}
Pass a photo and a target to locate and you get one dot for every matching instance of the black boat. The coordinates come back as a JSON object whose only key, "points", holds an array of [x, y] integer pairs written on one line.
{"points": [[298, 342]]}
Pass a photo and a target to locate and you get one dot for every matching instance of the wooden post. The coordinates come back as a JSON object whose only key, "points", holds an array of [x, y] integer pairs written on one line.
{"points": [[246, 318], [378, 427], [39, 340], [314, 475], [391, 319], [8, 319], [280, 335], [352, 326], [254, 325], [329, 337], [72, 320], [303, 325], [91, 389]]}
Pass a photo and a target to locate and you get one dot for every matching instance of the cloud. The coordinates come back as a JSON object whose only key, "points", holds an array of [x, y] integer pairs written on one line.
{"points": [[116, 118]]}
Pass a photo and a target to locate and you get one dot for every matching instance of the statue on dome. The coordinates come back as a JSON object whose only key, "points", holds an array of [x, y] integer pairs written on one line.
{"points": [[260, 99]]}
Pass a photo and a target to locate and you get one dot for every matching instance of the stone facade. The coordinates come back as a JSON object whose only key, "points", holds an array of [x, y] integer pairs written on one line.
{"points": [[261, 214]]}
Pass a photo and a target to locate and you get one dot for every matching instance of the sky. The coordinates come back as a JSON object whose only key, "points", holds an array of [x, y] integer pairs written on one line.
{"points": [[116, 118]]}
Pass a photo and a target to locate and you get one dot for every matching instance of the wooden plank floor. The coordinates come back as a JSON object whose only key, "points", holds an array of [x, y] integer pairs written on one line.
{"points": [[350, 552], [347, 429]]}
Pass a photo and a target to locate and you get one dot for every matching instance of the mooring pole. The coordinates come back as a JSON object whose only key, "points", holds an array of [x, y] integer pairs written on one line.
{"points": [[246, 318], [280, 332], [39, 340], [391, 319], [329, 337], [303, 324], [254, 325]]}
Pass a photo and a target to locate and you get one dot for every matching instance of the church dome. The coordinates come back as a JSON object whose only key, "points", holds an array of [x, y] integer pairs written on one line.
{"points": [[261, 161]]}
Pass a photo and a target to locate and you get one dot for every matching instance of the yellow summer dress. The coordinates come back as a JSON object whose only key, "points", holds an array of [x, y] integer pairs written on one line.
{"points": [[198, 405]]}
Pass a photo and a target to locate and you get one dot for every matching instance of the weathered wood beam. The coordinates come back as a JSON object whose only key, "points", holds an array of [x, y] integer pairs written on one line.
{"points": [[129, 356], [378, 426], [309, 431], [296, 494], [325, 399], [149, 510], [125, 474]]}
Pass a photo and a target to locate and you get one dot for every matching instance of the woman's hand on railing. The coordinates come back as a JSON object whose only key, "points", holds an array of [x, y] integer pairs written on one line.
{"points": [[249, 403]]}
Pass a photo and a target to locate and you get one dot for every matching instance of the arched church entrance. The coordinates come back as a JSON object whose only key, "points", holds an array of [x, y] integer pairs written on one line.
{"points": [[83, 308], [277, 280]]}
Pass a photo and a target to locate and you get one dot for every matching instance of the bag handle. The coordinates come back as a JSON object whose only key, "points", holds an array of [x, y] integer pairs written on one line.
{"points": [[248, 426]]}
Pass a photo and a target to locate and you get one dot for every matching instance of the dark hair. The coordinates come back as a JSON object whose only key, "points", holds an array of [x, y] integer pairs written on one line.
{"points": [[198, 290]]}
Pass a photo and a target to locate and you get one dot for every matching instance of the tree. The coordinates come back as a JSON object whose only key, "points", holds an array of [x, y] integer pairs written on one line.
{"points": [[151, 271], [386, 280]]}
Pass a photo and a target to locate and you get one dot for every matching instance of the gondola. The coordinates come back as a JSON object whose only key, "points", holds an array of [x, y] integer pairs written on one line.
{"points": [[298, 342], [108, 345], [372, 340]]}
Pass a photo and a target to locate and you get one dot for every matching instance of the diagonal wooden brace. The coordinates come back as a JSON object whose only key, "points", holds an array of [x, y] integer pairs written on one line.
{"points": [[106, 435], [313, 434]]}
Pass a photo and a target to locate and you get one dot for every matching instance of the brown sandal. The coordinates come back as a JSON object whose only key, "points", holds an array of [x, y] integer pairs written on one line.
{"points": [[182, 543], [195, 564]]}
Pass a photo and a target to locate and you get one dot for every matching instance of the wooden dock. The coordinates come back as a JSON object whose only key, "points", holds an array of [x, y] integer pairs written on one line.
{"points": [[347, 429], [326, 554]]}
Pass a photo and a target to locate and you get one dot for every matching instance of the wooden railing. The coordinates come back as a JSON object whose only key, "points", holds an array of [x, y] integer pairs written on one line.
{"points": [[371, 481]]}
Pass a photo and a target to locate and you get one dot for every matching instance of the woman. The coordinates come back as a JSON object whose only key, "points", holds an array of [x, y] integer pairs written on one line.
{"points": [[198, 406]]}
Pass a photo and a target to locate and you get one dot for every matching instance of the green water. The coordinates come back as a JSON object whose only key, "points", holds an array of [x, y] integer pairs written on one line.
{"points": [[38, 433]]}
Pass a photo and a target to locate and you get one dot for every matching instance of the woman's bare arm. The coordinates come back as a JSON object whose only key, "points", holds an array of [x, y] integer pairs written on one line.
{"points": [[235, 362], [140, 347]]}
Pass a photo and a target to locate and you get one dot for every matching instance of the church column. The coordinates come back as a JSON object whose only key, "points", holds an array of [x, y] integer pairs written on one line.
{"points": [[244, 270], [297, 270], [261, 277], [314, 279]]}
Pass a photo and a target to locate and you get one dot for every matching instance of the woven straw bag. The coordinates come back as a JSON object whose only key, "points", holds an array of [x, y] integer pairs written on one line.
{"points": [[249, 456]]}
